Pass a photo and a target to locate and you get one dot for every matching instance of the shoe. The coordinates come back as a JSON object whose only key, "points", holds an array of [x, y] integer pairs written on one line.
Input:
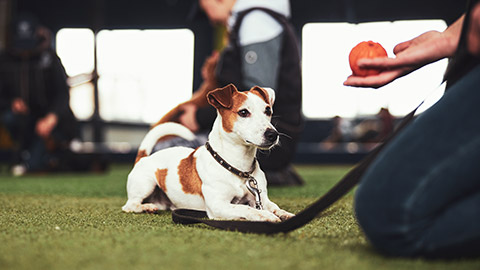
{"points": [[284, 177], [19, 170]]}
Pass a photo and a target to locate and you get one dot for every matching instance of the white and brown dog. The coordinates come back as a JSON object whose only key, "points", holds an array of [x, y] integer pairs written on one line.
{"points": [[223, 177]]}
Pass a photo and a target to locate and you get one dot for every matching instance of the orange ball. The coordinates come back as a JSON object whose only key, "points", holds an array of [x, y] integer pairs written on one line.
{"points": [[365, 49]]}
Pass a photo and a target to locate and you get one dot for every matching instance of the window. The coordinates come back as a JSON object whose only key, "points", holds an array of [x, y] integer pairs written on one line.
{"points": [[325, 50], [75, 47], [142, 73]]}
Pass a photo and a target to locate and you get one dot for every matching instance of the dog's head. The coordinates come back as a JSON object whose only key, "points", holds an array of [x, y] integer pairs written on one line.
{"points": [[246, 115]]}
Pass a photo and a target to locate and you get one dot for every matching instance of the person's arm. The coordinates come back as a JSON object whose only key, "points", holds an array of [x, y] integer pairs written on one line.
{"points": [[473, 35], [45, 125], [200, 118], [60, 94], [410, 55], [59, 98]]}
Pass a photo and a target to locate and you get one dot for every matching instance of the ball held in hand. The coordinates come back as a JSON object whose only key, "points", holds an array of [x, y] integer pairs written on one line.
{"points": [[365, 49]]}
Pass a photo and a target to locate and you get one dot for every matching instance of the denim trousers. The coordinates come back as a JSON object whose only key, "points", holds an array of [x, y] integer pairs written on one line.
{"points": [[421, 196]]}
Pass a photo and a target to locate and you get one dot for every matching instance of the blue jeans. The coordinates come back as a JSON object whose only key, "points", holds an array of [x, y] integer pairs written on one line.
{"points": [[421, 196]]}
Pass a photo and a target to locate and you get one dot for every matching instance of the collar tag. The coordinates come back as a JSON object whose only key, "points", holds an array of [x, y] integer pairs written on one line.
{"points": [[252, 186]]}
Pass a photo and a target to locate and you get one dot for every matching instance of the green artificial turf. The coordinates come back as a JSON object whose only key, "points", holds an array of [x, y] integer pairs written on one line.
{"points": [[74, 221]]}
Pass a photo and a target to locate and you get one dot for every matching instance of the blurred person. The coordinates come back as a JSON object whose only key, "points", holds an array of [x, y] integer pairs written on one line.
{"points": [[341, 130], [374, 129], [261, 50], [34, 97], [421, 196], [387, 124]]}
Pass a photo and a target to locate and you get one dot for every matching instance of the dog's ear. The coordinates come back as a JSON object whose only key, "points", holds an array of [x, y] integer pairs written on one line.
{"points": [[222, 97], [268, 94]]}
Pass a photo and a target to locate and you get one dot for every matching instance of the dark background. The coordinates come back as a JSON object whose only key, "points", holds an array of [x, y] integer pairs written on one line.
{"points": [[167, 14], [115, 14]]}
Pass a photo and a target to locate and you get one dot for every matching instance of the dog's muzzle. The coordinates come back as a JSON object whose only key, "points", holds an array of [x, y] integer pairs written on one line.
{"points": [[271, 137]]}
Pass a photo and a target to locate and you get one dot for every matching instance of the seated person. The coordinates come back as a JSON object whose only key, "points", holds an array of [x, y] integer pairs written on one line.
{"points": [[421, 195], [34, 98], [265, 54]]}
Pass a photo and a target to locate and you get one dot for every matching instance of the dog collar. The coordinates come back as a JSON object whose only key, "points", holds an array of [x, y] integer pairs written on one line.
{"points": [[251, 182]]}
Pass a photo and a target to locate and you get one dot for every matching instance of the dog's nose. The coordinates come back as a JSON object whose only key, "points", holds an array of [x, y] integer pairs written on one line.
{"points": [[271, 135]]}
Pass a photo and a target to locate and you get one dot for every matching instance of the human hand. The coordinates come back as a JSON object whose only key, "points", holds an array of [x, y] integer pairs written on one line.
{"points": [[19, 106], [410, 55], [188, 118], [46, 124]]}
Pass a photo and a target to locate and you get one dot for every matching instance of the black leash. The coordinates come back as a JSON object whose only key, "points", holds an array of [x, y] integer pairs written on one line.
{"points": [[188, 216]]}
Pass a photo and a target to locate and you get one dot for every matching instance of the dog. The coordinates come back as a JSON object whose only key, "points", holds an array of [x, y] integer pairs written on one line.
{"points": [[222, 177]]}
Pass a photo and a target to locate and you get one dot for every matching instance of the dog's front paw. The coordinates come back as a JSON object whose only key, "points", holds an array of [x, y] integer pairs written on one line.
{"points": [[139, 208], [264, 215], [282, 214], [149, 208]]}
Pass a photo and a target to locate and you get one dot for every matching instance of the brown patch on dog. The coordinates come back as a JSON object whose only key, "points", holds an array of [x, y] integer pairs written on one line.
{"points": [[222, 97], [227, 101], [262, 93], [161, 175], [165, 138], [141, 154], [189, 179], [229, 116]]}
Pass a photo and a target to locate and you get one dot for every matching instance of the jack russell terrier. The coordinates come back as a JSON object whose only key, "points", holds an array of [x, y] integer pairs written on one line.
{"points": [[222, 177]]}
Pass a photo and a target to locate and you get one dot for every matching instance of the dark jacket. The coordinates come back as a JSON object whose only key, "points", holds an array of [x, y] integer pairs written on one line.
{"points": [[40, 80]]}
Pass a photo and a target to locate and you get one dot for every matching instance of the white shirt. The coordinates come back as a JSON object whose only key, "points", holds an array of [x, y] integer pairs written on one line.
{"points": [[257, 26]]}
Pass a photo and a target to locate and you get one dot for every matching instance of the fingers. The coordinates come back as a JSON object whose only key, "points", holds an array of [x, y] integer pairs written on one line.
{"points": [[401, 47], [374, 81], [403, 60], [379, 63]]}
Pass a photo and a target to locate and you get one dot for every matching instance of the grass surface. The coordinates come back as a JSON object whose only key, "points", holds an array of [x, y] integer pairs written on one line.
{"points": [[74, 221]]}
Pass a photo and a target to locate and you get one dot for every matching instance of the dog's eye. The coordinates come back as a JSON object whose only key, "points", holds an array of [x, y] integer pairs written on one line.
{"points": [[244, 113], [268, 111]]}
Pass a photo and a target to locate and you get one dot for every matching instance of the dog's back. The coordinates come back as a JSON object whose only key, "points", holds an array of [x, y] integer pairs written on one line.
{"points": [[158, 132], [158, 173]]}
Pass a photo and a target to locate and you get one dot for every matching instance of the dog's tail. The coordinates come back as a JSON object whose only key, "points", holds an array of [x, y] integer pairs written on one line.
{"points": [[162, 130]]}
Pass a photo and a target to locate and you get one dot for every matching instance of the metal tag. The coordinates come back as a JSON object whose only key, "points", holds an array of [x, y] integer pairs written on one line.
{"points": [[252, 186]]}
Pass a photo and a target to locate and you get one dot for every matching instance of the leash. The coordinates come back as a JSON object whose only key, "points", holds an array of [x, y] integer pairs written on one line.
{"points": [[350, 180]]}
